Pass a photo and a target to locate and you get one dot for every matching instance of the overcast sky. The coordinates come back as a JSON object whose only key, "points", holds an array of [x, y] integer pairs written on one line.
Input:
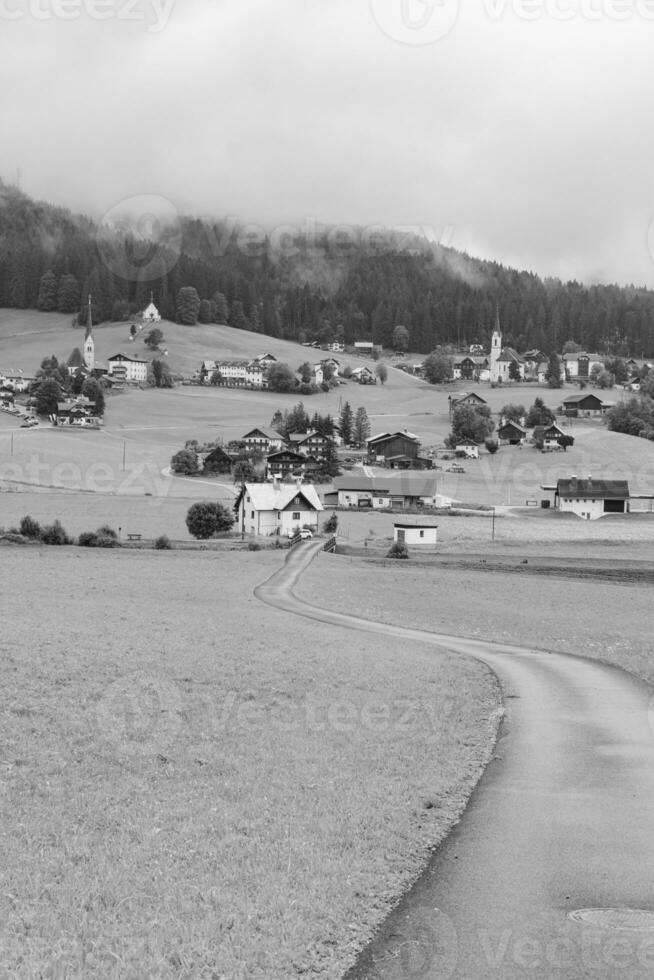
{"points": [[518, 130]]}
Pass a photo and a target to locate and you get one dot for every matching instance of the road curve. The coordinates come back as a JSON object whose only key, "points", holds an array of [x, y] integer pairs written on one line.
{"points": [[561, 821]]}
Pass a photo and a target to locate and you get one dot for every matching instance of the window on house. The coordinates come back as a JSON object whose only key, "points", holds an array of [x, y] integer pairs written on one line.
{"points": [[252, 514], [422, 534], [296, 515]]}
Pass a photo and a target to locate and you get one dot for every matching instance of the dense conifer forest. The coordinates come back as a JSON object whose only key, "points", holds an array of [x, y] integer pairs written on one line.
{"points": [[330, 284]]}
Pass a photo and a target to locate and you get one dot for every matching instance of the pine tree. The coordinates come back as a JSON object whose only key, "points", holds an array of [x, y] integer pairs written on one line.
{"points": [[47, 301], [346, 422], [361, 428]]}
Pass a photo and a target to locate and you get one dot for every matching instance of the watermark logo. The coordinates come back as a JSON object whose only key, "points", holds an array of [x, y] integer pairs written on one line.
{"points": [[153, 13], [140, 714], [425, 945], [140, 238], [416, 22]]}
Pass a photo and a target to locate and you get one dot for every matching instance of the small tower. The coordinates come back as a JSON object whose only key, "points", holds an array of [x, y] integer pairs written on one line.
{"points": [[496, 348], [89, 343]]}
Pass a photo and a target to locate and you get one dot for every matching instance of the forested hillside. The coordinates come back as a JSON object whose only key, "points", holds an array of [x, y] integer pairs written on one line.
{"points": [[330, 284]]}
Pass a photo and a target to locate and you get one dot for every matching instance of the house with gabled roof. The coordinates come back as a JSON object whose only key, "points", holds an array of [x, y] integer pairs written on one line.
{"points": [[586, 405], [589, 497], [287, 462], [310, 443], [511, 433], [466, 398], [267, 510], [263, 439], [130, 368], [395, 448], [386, 492]]}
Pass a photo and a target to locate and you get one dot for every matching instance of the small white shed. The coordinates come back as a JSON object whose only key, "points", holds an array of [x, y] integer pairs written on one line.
{"points": [[415, 534]]}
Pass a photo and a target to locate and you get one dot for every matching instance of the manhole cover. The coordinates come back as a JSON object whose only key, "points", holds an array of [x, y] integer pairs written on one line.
{"points": [[638, 919]]}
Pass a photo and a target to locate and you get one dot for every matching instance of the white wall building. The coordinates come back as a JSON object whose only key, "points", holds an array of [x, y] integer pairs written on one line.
{"points": [[135, 369], [266, 510]]}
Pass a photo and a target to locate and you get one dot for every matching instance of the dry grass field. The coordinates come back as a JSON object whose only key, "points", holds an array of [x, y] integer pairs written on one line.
{"points": [[195, 786]]}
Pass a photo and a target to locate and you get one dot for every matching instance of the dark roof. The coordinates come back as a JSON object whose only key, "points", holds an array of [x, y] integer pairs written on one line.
{"points": [[75, 359], [408, 485], [512, 424], [286, 454], [582, 396], [509, 354], [385, 436], [592, 489]]}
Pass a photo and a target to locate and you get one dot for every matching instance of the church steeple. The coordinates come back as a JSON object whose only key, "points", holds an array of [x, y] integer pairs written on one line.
{"points": [[89, 343]]}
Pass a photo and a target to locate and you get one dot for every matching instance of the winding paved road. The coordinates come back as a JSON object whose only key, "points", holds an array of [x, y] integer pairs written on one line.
{"points": [[562, 820]]}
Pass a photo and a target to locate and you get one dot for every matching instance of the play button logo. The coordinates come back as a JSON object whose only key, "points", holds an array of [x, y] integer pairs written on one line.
{"points": [[416, 22]]}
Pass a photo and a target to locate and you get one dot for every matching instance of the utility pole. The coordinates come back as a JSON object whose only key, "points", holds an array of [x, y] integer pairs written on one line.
{"points": [[123, 455], [493, 525]]}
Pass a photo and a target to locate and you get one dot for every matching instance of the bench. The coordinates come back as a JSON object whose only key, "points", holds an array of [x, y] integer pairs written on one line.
{"points": [[133, 537]]}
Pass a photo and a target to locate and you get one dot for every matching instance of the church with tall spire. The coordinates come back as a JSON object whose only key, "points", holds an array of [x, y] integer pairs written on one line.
{"points": [[89, 343], [84, 360]]}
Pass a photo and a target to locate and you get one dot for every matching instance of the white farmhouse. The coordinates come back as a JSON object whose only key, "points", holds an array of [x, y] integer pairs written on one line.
{"points": [[265, 510], [131, 368]]}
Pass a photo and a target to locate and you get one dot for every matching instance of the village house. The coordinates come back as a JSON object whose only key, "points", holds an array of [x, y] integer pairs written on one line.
{"points": [[590, 498], [310, 443], [387, 492], [364, 376], [130, 369], [17, 380], [470, 367], [79, 412], [394, 448], [466, 398], [286, 462], [532, 361], [265, 509], [242, 374], [578, 366], [330, 364], [467, 449], [263, 439], [511, 433], [585, 405]]}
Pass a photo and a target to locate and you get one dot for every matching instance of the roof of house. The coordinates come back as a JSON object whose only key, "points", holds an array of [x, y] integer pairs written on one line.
{"points": [[286, 454], [266, 432], [466, 394], [125, 357], [591, 489], [266, 496], [512, 424], [303, 436], [580, 397], [467, 442], [509, 354], [382, 437], [407, 485]]}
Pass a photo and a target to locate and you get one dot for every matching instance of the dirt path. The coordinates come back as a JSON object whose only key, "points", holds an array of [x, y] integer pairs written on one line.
{"points": [[560, 822]]}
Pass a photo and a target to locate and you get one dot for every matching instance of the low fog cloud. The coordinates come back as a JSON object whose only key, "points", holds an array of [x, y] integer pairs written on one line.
{"points": [[526, 136]]}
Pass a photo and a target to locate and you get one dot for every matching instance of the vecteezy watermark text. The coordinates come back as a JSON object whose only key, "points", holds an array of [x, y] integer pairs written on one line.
{"points": [[154, 13], [420, 22]]}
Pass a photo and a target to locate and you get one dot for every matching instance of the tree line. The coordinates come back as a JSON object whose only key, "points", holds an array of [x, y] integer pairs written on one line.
{"points": [[317, 287]]}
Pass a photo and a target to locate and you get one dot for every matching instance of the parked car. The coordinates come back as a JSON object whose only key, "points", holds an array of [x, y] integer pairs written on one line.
{"points": [[303, 532], [456, 468]]}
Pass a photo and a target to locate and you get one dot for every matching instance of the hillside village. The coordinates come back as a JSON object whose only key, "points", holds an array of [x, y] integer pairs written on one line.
{"points": [[354, 466]]}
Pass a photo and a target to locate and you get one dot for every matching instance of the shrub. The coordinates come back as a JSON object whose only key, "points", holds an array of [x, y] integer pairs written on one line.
{"points": [[162, 543], [331, 524], [492, 445], [98, 539], [254, 546], [55, 534], [30, 528], [107, 532], [206, 519], [398, 550]]}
